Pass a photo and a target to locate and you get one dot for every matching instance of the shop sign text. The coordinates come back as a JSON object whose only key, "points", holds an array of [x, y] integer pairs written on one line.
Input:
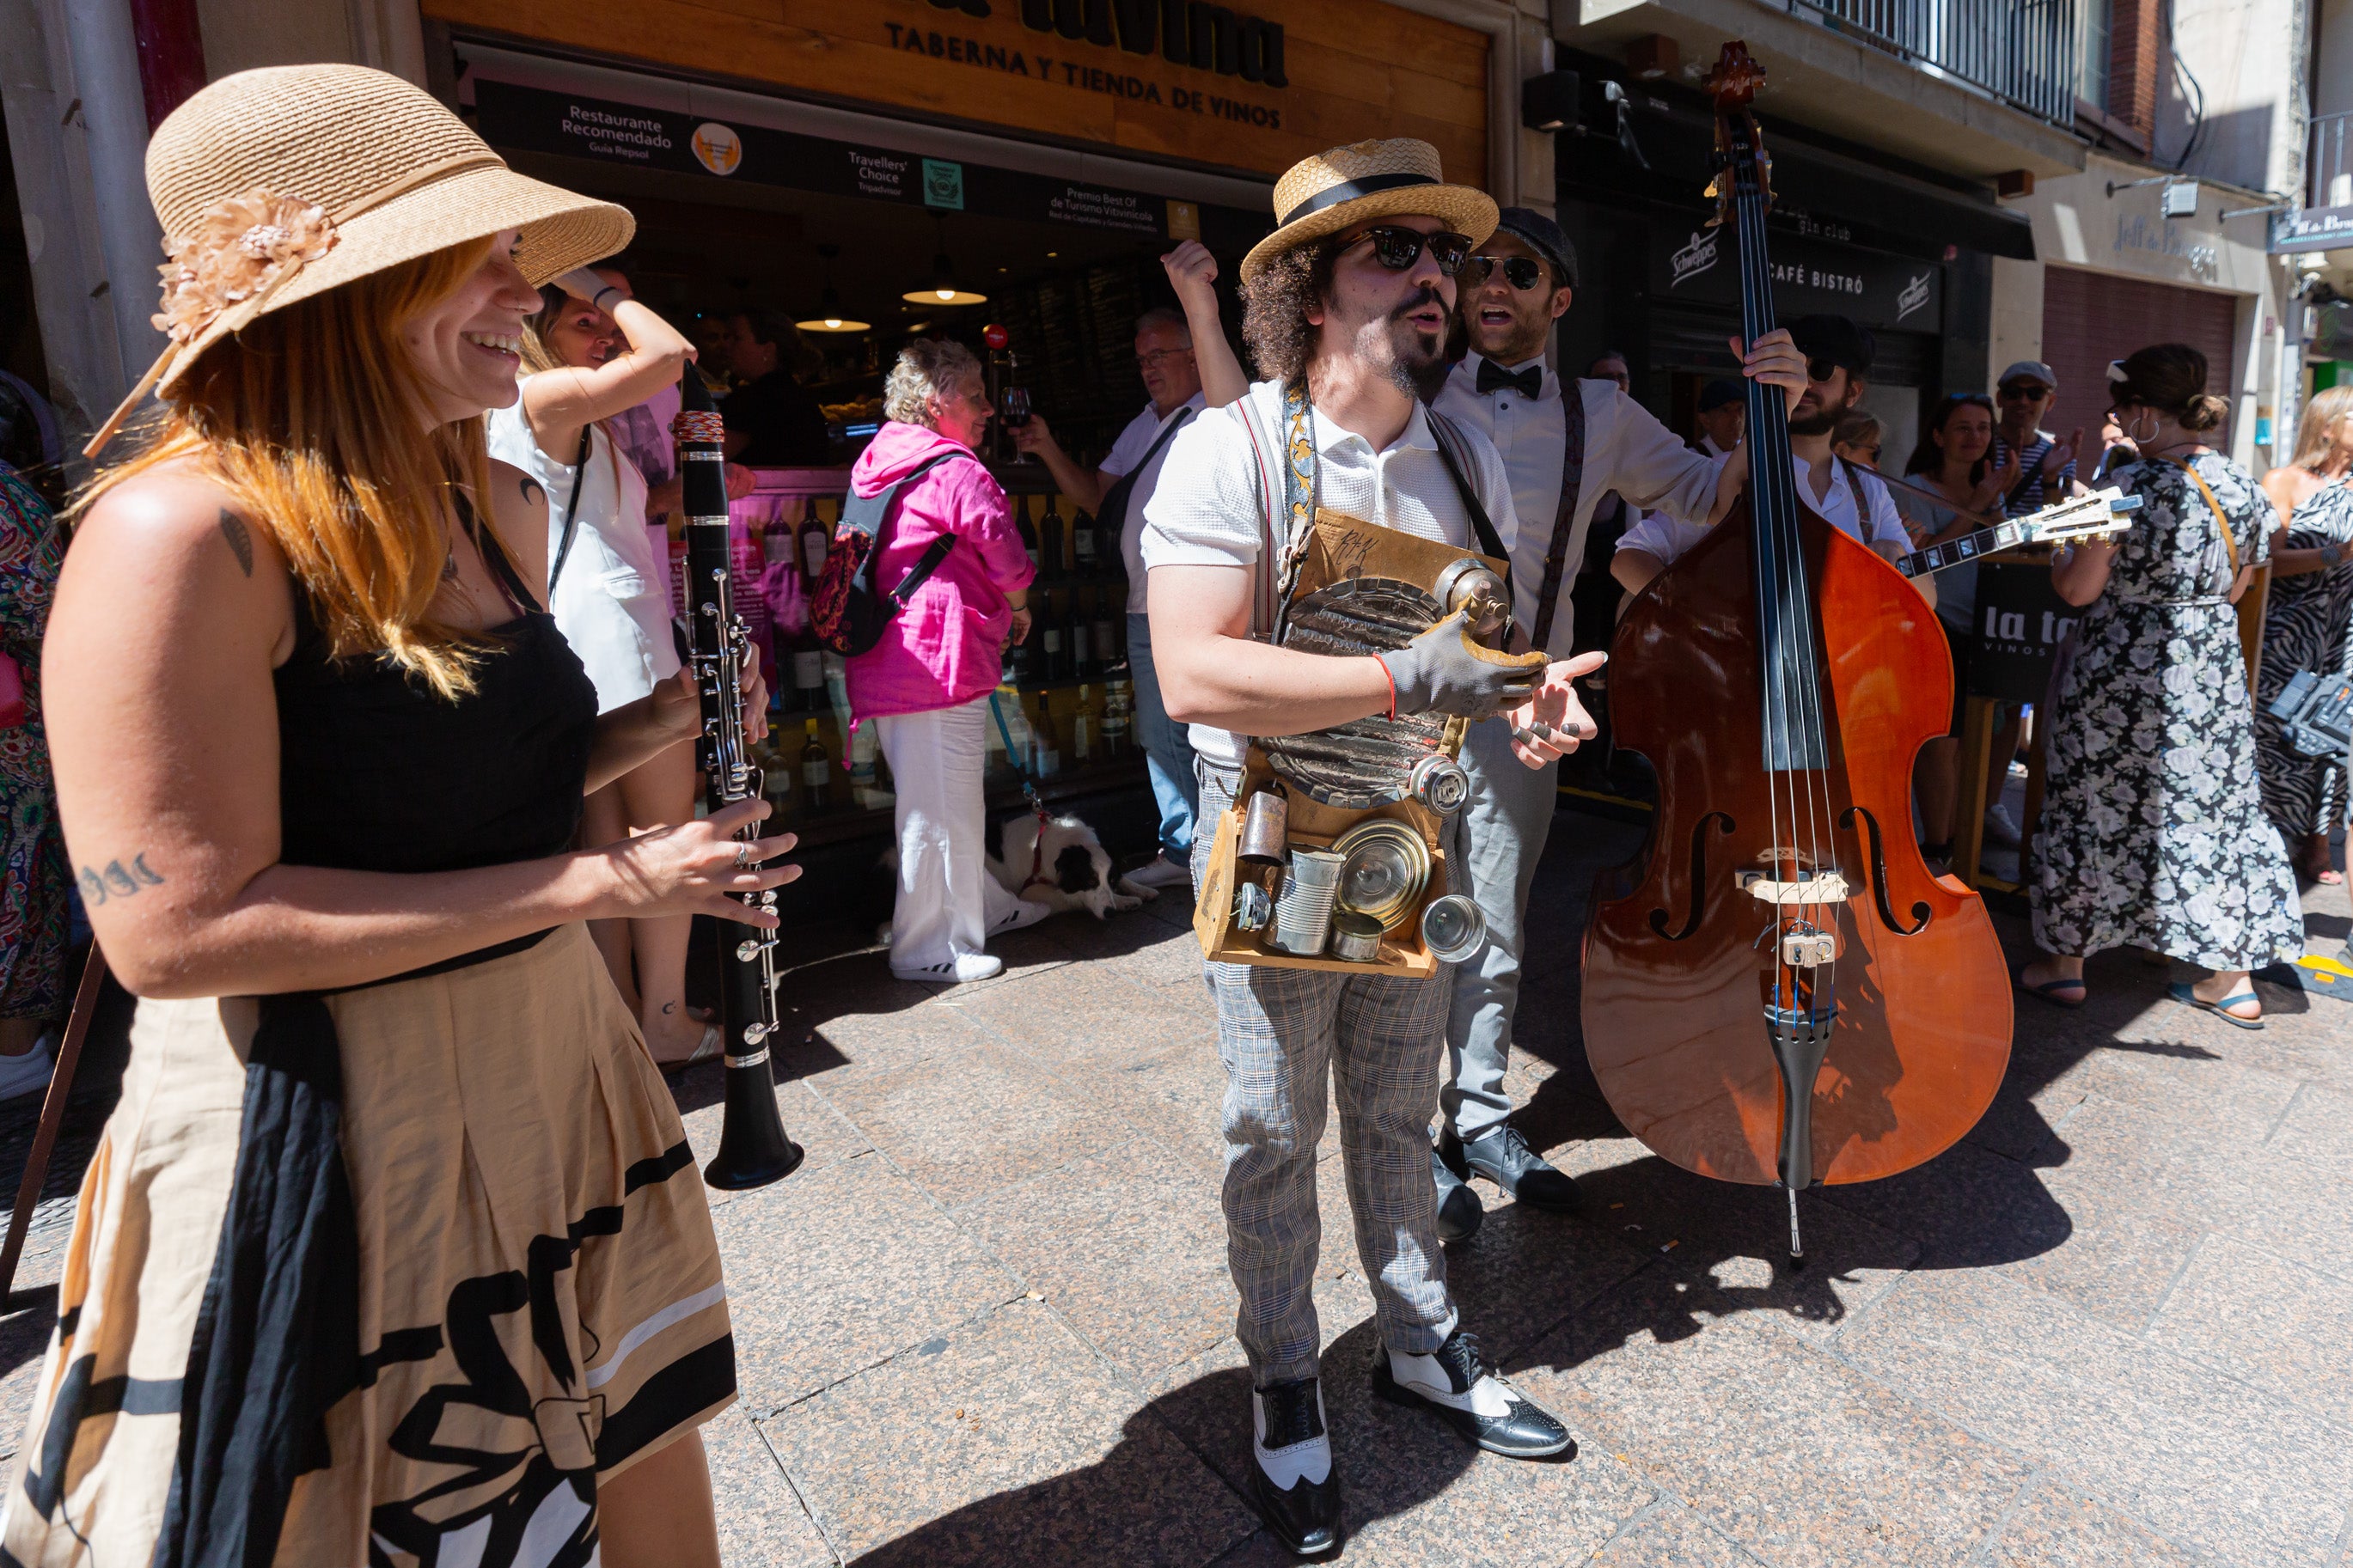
{"points": [[1044, 68], [1872, 286], [2162, 237]]}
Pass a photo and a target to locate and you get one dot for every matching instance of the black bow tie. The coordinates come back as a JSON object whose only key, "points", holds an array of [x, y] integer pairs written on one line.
{"points": [[1528, 382]]}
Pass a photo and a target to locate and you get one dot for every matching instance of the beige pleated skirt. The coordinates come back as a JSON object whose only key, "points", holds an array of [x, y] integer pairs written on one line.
{"points": [[540, 1298]]}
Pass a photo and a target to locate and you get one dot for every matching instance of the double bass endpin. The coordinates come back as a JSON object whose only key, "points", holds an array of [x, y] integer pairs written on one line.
{"points": [[1796, 1240]]}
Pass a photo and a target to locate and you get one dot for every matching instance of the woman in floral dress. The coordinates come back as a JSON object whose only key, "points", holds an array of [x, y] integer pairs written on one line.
{"points": [[2153, 830], [2307, 626], [31, 855]]}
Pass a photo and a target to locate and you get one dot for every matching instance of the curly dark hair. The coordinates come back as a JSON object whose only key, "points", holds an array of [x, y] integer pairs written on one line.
{"points": [[1275, 305]]}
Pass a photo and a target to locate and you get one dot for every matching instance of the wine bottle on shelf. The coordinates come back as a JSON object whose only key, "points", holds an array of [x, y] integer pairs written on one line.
{"points": [[1028, 534], [1053, 651], [776, 769], [1116, 725], [816, 541], [1108, 625], [776, 538], [1085, 546], [1045, 741], [1082, 637], [1049, 542], [817, 770], [1084, 743], [809, 672]]}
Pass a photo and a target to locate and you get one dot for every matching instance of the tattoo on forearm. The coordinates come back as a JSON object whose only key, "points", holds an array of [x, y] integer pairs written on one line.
{"points": [[118, 880], [240, 541], [532, 494]]}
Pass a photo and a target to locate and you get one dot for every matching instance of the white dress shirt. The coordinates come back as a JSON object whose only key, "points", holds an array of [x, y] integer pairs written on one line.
{"points": [[1205, 510], [1626, 450], [1125, 453], [1665, 539]]}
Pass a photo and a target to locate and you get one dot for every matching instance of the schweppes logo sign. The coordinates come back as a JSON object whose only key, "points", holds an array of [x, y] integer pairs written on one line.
{"points": [[1182, 32]]}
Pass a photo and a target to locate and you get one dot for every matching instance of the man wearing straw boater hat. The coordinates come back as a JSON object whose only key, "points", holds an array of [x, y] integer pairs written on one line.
{"points": [[1345, 308], [394, 1252]]}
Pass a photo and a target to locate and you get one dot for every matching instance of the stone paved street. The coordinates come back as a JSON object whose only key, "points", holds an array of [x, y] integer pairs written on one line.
{"points": [[989, 1321]]}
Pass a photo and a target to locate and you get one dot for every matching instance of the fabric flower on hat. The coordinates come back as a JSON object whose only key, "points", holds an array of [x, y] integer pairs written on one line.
{"points": [[239, 248]]}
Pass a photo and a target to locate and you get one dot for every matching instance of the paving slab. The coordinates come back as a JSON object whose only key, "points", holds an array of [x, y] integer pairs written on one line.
{"points": [[1669, 1536], [2266, 1321], [2058, 1529], [762, 1523], [1004, 1441], [1782, 1447], [835, 1269], [2227, 1471]]}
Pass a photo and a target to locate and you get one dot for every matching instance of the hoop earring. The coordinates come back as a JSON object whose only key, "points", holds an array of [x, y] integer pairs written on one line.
{"points": [[2132, 432]]}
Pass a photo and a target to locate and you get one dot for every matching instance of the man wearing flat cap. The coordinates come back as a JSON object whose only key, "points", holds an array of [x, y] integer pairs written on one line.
{"points": [[1345, 308], [1566, 446]]}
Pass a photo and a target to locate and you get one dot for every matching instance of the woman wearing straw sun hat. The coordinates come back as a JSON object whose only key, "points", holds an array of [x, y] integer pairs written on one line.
{"points": [[393, 1250]]}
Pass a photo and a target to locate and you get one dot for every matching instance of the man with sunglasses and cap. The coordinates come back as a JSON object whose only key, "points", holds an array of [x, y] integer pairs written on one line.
{"points": [[1345, 308], [1571, 450], [2037, 465]]}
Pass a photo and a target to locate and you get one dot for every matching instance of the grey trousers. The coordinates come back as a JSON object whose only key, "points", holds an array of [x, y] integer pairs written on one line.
{"points": [[1282, 1034], [1501, 837]]}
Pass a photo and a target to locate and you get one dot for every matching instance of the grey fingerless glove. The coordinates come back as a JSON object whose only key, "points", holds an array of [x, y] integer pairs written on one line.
{"points": [[1443, 671]]}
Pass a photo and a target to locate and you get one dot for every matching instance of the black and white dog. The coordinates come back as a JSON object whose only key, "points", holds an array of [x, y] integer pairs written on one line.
{"points": [[1058, 862]]}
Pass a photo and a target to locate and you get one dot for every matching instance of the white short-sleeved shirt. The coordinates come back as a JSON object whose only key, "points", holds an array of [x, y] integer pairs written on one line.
{"points": [[1666, 538], [1627, 451], [1125, 453], [1206, 511], [610, 604]]}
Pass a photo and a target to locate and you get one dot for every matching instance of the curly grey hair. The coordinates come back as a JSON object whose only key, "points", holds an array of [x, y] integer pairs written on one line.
{"points": [[929, 370]]}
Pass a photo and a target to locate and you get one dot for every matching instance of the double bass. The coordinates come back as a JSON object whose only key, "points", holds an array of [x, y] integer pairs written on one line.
{"points": [[1777, 989]]}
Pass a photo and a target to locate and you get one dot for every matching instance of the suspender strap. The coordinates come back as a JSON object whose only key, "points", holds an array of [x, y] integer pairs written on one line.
{"points": [[1862, 502], [1572, 478], [572, 509], [1451, 452]]}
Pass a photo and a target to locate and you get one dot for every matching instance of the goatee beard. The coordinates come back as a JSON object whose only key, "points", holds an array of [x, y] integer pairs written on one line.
{"points": [[1820, 422], [1417, 359]]}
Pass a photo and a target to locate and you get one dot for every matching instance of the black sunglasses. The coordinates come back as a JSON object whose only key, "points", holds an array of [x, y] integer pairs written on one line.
{"points": [[1399, 248], [1521, 272], [1822, 369], [2027, 391]]}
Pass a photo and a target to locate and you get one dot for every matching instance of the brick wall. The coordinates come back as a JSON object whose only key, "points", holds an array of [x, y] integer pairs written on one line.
{"points": [[2135, 61]]}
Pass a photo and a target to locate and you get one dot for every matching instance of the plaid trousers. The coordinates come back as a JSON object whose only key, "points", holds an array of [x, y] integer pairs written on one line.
{"points": [[1379, 1040]]}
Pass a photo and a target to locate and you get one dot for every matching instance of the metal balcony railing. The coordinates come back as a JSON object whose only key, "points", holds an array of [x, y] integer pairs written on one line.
{"points": [[2021, 51], [2328, 163]]}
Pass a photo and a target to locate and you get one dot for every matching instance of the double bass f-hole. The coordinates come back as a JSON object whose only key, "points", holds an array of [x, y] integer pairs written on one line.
{"points": [[1920, 911], [1698, 879]]}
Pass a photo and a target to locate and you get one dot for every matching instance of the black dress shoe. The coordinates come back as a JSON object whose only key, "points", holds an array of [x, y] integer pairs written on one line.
{"points": [[1470, 1398], [1504, 1157], [1458, 1208], [1292, 1480]]}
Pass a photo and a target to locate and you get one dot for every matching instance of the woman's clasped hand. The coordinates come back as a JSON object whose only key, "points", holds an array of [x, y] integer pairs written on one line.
{"points": [[701, 867]]}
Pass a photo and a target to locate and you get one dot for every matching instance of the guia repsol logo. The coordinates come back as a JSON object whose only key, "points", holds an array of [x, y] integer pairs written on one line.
{"points": [[1182, 32]]}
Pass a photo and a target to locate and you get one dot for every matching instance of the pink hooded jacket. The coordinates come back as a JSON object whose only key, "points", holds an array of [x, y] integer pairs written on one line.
{"points": [[944, 648]]}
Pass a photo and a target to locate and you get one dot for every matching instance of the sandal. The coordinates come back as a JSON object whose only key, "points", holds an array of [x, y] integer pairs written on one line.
{"points": [[2045, 990], [2180, 991], [705, 1049]]}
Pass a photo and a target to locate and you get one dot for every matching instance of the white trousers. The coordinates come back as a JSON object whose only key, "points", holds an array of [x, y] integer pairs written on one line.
{"points": [[947, 900]]}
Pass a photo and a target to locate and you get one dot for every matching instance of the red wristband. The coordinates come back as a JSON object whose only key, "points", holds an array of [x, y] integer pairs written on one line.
{"points": [[1392, 680]]}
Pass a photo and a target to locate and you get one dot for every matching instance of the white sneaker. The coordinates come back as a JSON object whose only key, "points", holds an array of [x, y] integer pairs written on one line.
{"points": [[1162, 872], [1025, 913], [969, 967], [2000, 829]]}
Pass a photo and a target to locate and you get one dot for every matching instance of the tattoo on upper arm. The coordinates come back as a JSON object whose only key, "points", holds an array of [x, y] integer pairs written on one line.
{"points": [[532, 494], [118, 880], [240, 540]]}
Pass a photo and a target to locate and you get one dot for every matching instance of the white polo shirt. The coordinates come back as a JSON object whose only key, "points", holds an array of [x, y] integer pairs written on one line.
{"points": [[1206, 511], [1125, 453], [1626, 450]]}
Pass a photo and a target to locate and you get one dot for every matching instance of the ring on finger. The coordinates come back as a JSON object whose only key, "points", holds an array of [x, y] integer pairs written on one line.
{"points": [[743, 857]]}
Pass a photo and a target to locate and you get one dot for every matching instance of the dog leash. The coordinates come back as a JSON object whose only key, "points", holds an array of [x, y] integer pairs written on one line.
{"points": [[1029, 792]]}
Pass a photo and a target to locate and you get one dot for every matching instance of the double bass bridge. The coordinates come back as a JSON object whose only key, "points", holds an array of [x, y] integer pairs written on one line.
{"points": [[1822, 888]]}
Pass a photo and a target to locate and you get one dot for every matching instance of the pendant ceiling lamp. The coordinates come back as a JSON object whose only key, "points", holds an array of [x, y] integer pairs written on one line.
{"points": [[828, 317], [944, 290]]}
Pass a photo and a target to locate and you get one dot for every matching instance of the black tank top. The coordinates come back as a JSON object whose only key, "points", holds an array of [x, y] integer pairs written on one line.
{"points": [[379, 773]]}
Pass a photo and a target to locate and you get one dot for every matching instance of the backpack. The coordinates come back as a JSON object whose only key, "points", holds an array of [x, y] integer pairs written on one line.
{"points": [[846, 612]]}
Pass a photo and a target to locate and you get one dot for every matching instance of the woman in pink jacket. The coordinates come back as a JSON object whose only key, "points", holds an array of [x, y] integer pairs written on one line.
{"points": [[926, 686]]}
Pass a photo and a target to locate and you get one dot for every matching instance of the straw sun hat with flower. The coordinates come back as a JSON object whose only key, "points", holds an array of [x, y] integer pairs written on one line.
{"points": [[1346, 185], [276, 185]]}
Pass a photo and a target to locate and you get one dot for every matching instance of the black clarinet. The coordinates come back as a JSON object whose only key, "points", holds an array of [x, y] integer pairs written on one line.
{"points": [[753, 1147]]}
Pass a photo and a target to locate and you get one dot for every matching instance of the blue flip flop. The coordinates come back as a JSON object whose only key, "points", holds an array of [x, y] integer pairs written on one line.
{"points": [[2045, 990], [2180, 991]]}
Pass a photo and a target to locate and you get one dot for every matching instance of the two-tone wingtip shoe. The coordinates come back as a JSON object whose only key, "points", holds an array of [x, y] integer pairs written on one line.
{"points": [[1291, 1478], [1468, 1395]]}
